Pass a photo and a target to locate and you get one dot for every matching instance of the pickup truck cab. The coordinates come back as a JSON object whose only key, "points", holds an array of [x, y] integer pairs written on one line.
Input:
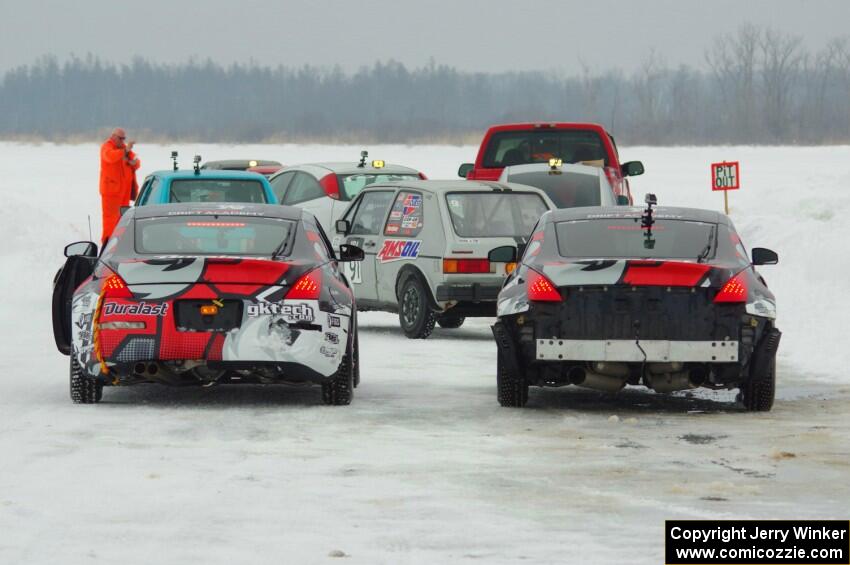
{"points": [[520, 144]]}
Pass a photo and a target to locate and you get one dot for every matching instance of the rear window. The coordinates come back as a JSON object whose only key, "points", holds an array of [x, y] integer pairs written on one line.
{"points": [[351, 185], [508, 148], [214, 235], [494, 214], [567, 190], [625, 238], [217, 190]]}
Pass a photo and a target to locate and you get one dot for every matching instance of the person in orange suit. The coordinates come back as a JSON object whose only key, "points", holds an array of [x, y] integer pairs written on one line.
{"points": [[118, 166]]}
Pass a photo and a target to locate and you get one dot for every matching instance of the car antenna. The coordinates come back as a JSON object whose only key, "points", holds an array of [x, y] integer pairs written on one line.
{"points": [[363, 156], [196, 163], [647, 220], [89, 217], [174, 159]]}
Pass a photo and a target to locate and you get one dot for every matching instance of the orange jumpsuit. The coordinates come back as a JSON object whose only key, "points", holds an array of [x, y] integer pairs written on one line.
{"points": [[117, 183]]}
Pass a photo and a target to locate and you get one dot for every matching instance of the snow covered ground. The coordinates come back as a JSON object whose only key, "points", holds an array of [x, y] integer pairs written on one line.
{"points": [[424, 467]]}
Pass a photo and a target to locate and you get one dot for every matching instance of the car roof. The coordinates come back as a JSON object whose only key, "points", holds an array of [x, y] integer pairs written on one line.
{"points": [[544, 168], [444, 186], [208, 174], [221, 208], [659, 212], [349, 168], [239, 163]]}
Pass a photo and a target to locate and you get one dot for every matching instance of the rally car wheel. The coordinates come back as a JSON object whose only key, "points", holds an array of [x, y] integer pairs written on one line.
{"points": [[450, 322], [415, 314], [759, 392], [512, 389], [339, 389], [84, 389], [356, 357]]}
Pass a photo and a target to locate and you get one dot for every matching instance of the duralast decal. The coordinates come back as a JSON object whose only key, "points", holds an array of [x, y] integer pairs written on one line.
{"points": [[138, 309], [299, 312], [399, 249]]}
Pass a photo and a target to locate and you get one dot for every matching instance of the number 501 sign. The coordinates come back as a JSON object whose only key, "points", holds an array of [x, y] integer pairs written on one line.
{"points": [[725, 176]]}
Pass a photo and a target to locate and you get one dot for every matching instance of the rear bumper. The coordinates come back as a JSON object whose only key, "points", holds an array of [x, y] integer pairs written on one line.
{"points": [[468, 292], [632, 351]]}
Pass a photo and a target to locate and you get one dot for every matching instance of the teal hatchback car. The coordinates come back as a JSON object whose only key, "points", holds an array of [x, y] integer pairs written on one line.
{"points": [[169, 187]]}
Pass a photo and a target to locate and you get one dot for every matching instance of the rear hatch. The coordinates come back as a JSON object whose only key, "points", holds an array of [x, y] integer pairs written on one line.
{"points": [[480, 221]]}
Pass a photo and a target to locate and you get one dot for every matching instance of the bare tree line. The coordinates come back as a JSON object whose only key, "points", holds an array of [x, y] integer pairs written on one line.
{"points": [[760, 86]]}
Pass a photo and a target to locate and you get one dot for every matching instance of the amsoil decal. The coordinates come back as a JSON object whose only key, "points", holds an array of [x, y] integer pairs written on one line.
{"points": [[139, 309], [297, 312], [398, 249]]}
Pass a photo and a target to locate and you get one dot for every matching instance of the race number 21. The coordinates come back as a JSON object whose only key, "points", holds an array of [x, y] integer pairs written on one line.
{"points": [[725, 176]]}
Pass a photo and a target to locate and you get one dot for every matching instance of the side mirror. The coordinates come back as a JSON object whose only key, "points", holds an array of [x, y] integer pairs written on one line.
{"points": [[504, 254], [632, 169], [622, 200], [350, 253], [123, 209], [463, 170], [343, 227], [81, 249], [762, 256]]}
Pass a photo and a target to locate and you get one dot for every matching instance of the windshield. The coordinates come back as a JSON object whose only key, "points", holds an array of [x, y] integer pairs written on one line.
{"points": [[567, 190], [494, 214], [508, 148], [625, 238], [217, 190], [213, 235], [353, 184]]}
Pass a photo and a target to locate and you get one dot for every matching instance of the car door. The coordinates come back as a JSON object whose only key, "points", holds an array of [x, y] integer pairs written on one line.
{"points": [[77, 268], [280, 183], [402, 242], [305, 192], [367, 218]]}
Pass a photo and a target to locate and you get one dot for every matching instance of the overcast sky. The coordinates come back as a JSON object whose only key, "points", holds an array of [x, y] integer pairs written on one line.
{"points": [[494, 35]]}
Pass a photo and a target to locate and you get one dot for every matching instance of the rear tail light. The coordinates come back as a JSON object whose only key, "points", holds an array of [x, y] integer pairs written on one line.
{"points": [[734, 291], [308, 287], [115, 287], [541, 289], [330, 184], [422, 176], [466, 266]]}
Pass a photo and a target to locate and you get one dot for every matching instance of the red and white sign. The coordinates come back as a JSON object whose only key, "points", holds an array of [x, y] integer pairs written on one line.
{"points": [[725, 176]]}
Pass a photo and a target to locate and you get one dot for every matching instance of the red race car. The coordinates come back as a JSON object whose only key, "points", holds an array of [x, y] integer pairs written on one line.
{"points": [[520, 144]]}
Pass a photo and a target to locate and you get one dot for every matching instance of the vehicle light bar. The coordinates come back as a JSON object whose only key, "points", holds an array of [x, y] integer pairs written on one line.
{"points": [[465, 266]]}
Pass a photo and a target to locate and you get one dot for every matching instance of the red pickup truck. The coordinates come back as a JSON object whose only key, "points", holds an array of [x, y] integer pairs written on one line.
{"points": [[519, 144]]}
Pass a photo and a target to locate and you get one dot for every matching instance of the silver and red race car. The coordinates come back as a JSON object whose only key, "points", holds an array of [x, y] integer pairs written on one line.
{"points": [[664, 297], [208, 293]]}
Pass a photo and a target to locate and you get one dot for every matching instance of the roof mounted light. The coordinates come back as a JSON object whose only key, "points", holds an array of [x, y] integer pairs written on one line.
{"points": [[252, 163], [378, 164], [555, 166]]}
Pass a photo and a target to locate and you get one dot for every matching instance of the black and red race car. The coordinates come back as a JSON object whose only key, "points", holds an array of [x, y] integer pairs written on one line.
{"points": [[208, 293], [664, 297]]}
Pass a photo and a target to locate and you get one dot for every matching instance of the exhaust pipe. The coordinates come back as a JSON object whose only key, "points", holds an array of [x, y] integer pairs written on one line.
{"points": [[153, 369], [582, 377], [139, 368]]}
